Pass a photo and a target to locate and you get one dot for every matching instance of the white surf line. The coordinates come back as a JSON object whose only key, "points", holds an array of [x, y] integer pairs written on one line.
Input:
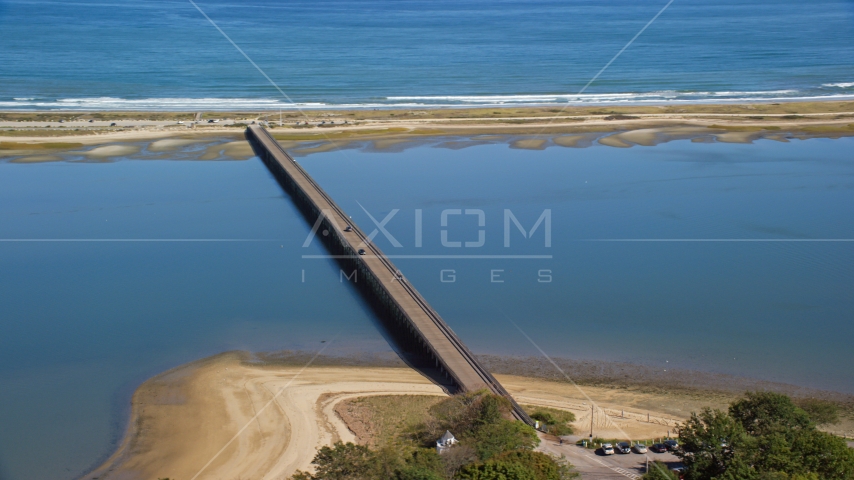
{"points": [[245, 56], [264, 407], [626, 46], [595, 77], [260, 70]]}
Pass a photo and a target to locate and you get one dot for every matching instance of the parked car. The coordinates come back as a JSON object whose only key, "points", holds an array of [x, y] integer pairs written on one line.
{"points": [[639, 448], [658, 448], [671, 444], [608, 449], [624, 447]]}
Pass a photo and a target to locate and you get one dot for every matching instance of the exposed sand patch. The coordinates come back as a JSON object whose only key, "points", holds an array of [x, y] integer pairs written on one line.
{"points": [[737, 137], [170, 144], [37, 159], [529, 144], [240, 150], [777, 138], [620, 412], [646, 137], [182, 418], [112, 151], [324, 147], [614, 141], [574, 141], [389, 143], [649, 137]]}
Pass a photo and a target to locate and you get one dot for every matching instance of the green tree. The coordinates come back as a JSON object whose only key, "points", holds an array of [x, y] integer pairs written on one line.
{"points": [[762, 413], [553, 421], [496, 471], [821, 412], [825, 455], [504, 435], [765, 436], [659, 471], [342, 461], [422, 464], [541, 465], [710, 443]]}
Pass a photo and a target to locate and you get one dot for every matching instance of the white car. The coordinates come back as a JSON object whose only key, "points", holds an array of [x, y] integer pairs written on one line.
{"points": [[608, 449]]}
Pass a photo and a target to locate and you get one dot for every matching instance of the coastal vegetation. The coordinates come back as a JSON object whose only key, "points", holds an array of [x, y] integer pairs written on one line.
{"points": [[552, 421], [762, 436], [490, 445]]}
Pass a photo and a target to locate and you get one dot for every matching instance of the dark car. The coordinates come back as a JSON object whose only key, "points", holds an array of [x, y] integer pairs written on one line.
{"points": [[362, 251], [671, 444], [658, 448], [623, 447]]}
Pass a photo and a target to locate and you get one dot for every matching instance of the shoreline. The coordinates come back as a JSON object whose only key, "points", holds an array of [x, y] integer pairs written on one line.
{"points": [[236, 414], [745, 123], [532, 129]]}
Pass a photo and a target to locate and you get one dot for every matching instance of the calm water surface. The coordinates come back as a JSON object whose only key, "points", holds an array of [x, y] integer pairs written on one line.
{"points": [[84, 322]]}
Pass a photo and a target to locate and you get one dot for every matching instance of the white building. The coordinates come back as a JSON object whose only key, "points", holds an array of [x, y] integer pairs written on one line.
{"points": [[446, 441]]}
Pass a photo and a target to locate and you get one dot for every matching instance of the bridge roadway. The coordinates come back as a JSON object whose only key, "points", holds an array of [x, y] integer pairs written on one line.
{"points": [[386, 282]]}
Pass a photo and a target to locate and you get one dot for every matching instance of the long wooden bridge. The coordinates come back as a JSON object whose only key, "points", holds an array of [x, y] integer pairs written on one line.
{"points": [[376, 275]]}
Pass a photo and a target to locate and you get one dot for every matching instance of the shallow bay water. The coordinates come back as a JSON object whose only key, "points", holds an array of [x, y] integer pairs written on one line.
{"points": [[85, 322]]}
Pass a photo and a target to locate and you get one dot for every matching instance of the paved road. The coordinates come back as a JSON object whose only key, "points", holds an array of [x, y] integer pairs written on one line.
{"points": [[594, 466]]}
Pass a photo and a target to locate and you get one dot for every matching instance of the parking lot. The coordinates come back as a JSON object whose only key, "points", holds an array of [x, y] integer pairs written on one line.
{"points": [[592, 464]]}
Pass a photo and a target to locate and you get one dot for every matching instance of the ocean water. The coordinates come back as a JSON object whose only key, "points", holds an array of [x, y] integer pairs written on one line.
{"points": [[164, 55], [85, 322]]}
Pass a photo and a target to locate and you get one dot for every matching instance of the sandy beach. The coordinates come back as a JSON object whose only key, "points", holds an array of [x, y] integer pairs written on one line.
{"points": [[229, 417]]}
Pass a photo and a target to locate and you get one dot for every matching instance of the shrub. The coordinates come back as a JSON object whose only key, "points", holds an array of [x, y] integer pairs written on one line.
{"points": [[496, 471], [505, 435], [541, 465], [821, 412]]}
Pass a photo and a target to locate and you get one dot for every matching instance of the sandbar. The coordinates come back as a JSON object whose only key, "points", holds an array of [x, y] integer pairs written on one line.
{"points": [[112, 151]]}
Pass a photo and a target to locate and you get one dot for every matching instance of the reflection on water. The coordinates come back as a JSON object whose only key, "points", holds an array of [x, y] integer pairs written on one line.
{"points": [[85, 322]]}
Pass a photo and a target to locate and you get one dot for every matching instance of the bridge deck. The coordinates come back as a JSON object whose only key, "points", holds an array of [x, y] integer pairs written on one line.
{"points": [[423, 321]]}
